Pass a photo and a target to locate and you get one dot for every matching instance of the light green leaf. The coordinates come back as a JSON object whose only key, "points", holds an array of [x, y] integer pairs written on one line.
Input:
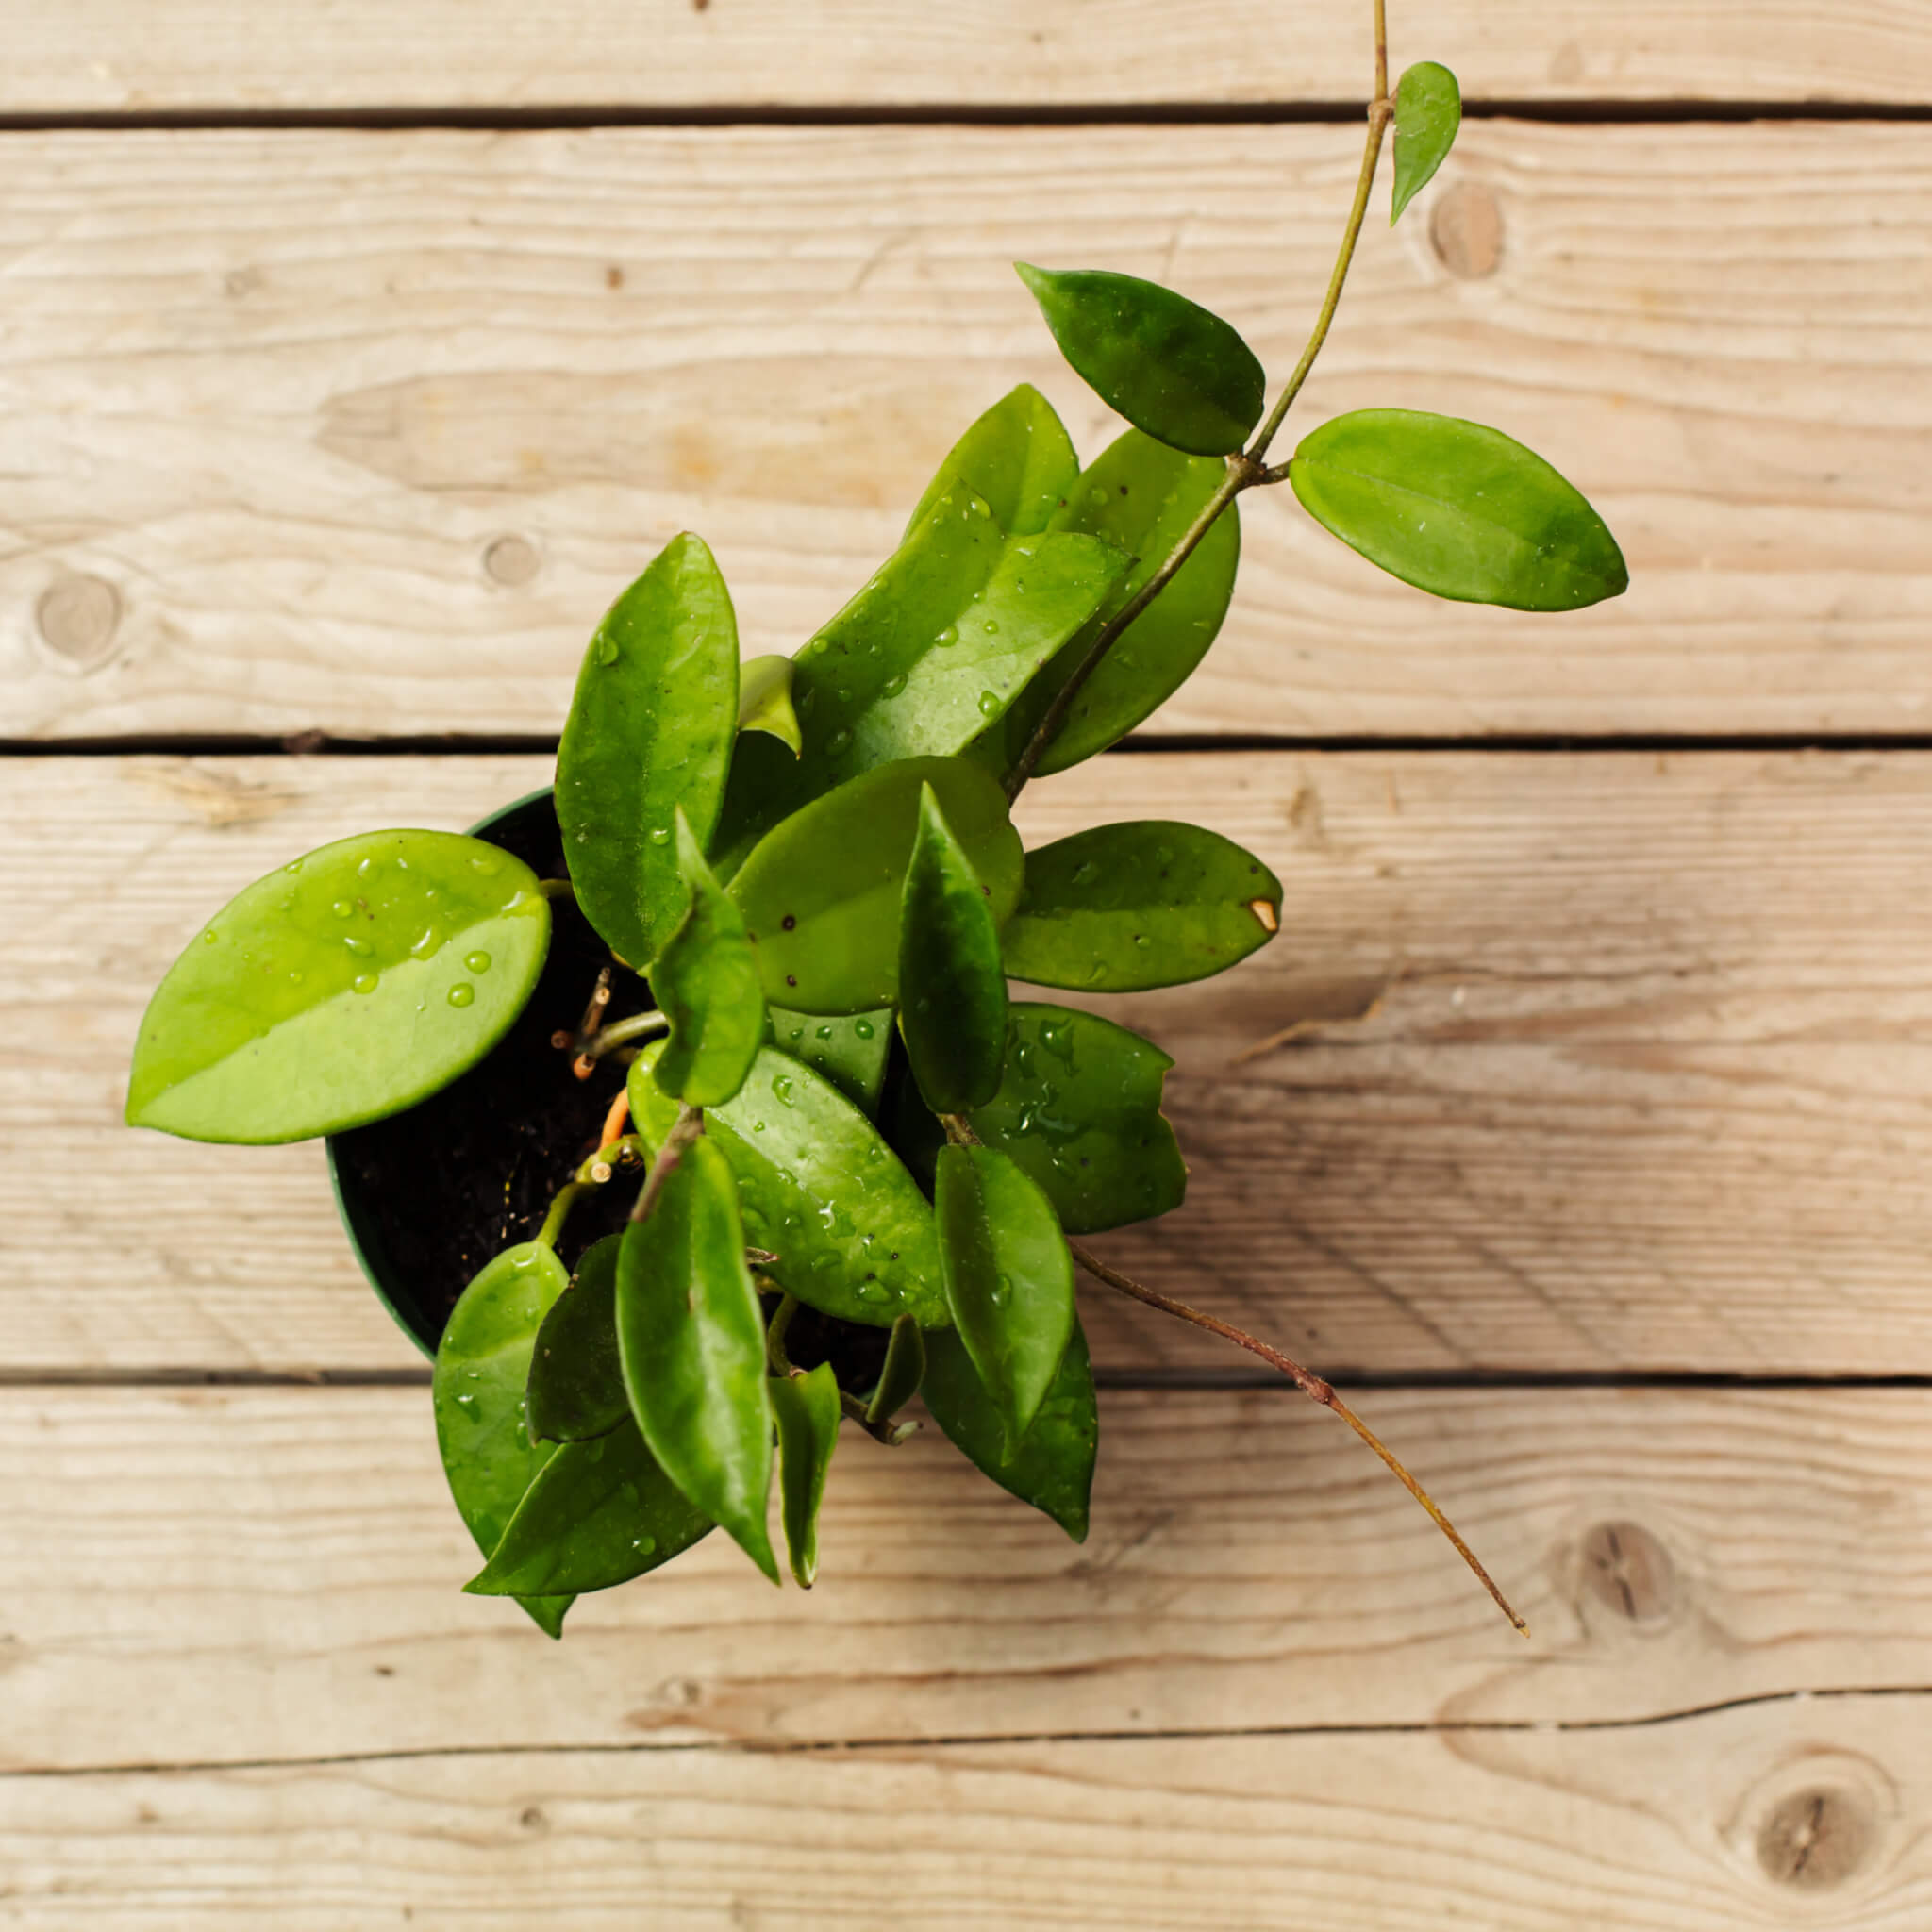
{"points": [[706, 981], [577, 1386], [1149, 903], [764, 700], [692, 1339], [849, 1049], [903, 1371], [807, 1411], [1459, 511], [1428, 110], [650, 729], [343, 987], [1016, 458]]}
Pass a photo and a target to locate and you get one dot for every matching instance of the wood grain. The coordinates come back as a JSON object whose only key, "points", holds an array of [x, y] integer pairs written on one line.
{"points": [[361, 432], [1742, 1821], [1643, 1081], [116, 56], [237, 1575]]}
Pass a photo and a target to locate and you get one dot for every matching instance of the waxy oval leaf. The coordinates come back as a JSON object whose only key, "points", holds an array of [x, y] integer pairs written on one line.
{"points": [[1428, 110], [809, 1411], [764, 700], [1017, 458], [818, 1188], [951, 989], [598, 1514], [820, 893], [1457, 510], [849, 1049], [1008, 1277], [577, 1386], [904, 1370], [477, 1393], [1079, 1110], [1052, 1467], [650, 729], [706, 982], [341, 989], [1168, 365], [691, 1336], [1150, 902]]}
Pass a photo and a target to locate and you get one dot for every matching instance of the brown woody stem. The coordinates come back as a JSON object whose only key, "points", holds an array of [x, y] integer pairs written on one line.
{"points": [[689, 1124]]}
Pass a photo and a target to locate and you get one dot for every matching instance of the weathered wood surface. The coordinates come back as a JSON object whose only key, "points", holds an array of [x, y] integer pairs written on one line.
{"points": [[1753, 1820], [239, 1576], [361, 432], [1644, 1085], [121, 56]]}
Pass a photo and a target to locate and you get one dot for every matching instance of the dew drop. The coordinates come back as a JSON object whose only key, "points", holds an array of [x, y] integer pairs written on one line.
{"points": [[660, 835], [781, 1087], [608, 652], [757, 1126], [838, 742], [824, 1033], [872, 1291], [486, 863], [364, 869], [476, 962], [949, 636], [992, 629], [425, 942], [462, 994], [643, 1545], [1002, 1291], [863, 1028], [294, 865], [989, 704], [208, 938], [343, 909], [363, 982], [1141, 939], [361, 947], [894, 684]]}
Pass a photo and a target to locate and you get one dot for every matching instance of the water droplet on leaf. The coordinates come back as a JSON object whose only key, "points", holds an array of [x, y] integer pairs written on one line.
{"points": [[462, 994]]}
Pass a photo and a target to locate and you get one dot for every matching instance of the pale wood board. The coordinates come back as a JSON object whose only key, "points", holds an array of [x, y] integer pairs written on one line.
{"points": [[239, 1576], [1815, 1815], [1644, 1085], [361, 432], [120, 55]]}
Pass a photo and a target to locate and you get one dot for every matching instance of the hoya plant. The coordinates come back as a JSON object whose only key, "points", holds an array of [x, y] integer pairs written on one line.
{"points": [[803, 1154]]}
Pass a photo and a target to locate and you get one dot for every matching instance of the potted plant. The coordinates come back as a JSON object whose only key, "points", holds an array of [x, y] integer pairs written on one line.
{"points": [[685, 1114]]}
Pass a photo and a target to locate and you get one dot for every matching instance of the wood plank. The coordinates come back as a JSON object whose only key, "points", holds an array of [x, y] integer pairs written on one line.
{"points": [[113, 57], [1646, 1087], [1742, 1821], [361, 432], [234, 1576]]}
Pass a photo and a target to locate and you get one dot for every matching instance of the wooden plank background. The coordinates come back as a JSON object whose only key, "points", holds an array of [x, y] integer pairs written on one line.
{"points": [[353, 358]]}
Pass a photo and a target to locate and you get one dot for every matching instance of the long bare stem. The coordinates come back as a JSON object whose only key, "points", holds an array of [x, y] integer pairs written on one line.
{"points": [[689, 1124]]}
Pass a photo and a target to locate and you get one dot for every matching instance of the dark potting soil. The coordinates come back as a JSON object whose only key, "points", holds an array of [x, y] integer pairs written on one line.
{"points": [[435, 1192]]}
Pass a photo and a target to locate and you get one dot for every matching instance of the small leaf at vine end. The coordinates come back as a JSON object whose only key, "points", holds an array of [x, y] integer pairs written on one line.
{"points": [[691, 1335], [1008, 1277], [764, 700], [952, 988], [707, 983], [903, 1371], [1171, 368], [1429, 111], [577, 1386], [807, 1410]]}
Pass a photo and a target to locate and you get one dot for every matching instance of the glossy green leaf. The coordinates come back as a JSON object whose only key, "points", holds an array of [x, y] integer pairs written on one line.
{"points": [[1079, 1110], [952, 988], [598, 1514], [1008, 1277], [706, 982], [691, 1336], [763, 786], [820, 893], [1052, 1467], [1149, 903], [577, 1386], [344, 987], [477, 1393], [807, 1410], [764, 700], [1428, 110], [904, 1370], [1141, 496], [1168, 365], [849, 1049], [1016, 458], [650, 729], [818, 1188], [1459, 511]]}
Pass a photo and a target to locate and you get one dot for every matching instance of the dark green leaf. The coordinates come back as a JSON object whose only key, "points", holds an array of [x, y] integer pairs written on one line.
{"points": [[344, 987], [764, 700], [481, 1365], [848, 1049], [598, 1514], [807, 1411], [904, 1370], [1052, 1467], [1428, 110], [1008, 1277], [1016, 457], [952, 991], [1168, 365], [1146, 903], [692, 1339], [1457, 510], [762, 787], [820, 893], [650, 729], [818, 1188], [1079, 1110], [1141, 496], [577, 1386], [706, 981]]}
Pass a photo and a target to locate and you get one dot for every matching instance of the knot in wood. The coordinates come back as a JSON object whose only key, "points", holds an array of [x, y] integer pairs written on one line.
{"points": [[1628, 1571], [77, 616], [1466, 229], [511, 560], [1816, 1839]]}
